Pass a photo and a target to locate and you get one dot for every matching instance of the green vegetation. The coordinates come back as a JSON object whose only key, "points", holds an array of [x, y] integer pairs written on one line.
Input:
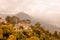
{"points": [[36, 32]]}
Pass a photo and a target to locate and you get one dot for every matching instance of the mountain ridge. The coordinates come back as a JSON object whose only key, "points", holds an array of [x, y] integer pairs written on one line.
{"points": [[24, 16], [45, 25]]}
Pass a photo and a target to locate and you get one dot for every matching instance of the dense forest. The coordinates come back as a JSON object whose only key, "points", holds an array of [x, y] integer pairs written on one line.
{"points": [[13, 28]]}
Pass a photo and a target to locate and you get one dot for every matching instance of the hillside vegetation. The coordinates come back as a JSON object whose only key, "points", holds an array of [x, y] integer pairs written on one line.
{"points": [[24, 30]]}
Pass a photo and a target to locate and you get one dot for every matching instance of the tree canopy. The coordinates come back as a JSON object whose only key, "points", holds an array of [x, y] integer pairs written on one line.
{"points": [[36, 32]]}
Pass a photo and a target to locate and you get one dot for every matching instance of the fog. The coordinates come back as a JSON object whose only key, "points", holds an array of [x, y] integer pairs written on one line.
{"points": [[47, 10]]}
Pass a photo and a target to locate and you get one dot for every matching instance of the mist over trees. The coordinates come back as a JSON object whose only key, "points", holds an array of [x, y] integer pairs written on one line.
{"points": [[24, 30]]}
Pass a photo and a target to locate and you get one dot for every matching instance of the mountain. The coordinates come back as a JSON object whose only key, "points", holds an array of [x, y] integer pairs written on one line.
{"points": [[44, 24], [20, 15], [49, 27], [23, 16]]}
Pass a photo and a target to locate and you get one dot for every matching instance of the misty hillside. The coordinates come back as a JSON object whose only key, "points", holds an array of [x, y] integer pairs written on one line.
{"points": [[45, 25], [49, 27], [24, 16]]}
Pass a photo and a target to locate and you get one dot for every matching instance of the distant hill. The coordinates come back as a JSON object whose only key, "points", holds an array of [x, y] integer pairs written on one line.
{"points": [[23, 16], [20, 15], [49, 27], [45, 25]]}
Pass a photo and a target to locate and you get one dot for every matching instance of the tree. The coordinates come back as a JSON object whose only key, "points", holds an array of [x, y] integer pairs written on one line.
{"points": [[15, 19], [37, 24], [1, 34], [28, 33], [7, 30], [12, 19], [28, 21], [32, 38], [59, 35], [11, 37], [48, 33], [20, 36], [8, 19], [55, 34]]}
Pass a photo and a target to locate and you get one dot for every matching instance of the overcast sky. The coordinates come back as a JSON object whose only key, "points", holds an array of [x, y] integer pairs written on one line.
{"points": [[47, 10]]}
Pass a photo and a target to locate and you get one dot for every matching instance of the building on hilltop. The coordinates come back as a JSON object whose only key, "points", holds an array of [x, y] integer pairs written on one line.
{"points": [[24, 24]]}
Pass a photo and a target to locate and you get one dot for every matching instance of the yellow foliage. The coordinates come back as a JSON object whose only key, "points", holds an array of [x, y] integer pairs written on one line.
{"points": [[33, 38], [8, 28], [12, 37], [28, 32], [1, 34]]}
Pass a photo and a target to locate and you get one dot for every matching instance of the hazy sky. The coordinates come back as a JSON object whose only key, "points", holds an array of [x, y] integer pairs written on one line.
{"points": [[47, 10]]}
